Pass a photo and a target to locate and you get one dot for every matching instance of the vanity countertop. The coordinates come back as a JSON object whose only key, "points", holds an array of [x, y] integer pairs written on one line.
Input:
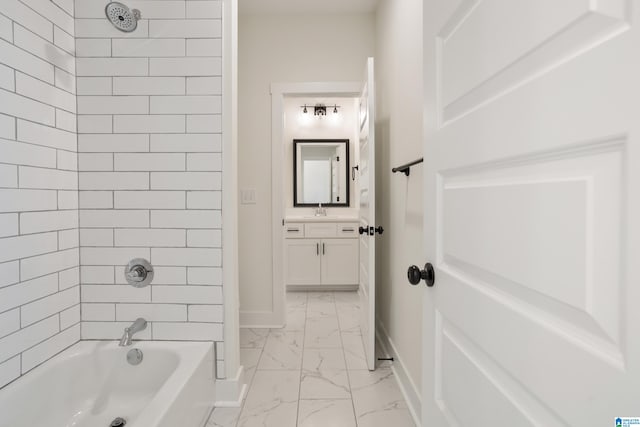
{"points": [[328, 218]]}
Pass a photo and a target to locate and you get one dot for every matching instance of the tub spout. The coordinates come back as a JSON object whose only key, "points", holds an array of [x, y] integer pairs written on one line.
{"points": [[139, 325]]}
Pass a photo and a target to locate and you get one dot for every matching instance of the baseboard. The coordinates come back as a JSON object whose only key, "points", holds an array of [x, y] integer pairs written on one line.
{"points": [[261, 319], [406, 384], [322, 288], [230, 392]]}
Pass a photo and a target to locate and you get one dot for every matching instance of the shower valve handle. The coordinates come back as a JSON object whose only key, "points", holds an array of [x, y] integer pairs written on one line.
{"points": [[137, 274]]}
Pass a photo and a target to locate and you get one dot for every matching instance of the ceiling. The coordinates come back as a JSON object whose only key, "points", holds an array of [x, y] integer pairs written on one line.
{"points": [[299, 7]]}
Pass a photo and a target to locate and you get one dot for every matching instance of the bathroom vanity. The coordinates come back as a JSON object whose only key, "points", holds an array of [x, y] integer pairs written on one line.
{"points": [[321, 253]]}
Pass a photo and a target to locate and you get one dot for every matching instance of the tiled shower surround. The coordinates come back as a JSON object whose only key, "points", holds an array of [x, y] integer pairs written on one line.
{"points": [[145, 181], [39, 274]]}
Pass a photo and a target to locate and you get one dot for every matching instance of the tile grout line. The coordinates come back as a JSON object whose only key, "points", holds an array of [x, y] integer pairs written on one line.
{"points": [[353, 406], [304, 335]]}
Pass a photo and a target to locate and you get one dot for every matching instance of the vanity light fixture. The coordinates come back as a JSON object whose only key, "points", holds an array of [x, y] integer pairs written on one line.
{"points": [[319, 110]]}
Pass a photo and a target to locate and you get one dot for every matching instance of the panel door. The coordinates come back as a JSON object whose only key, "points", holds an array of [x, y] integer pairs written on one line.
{"points": [[367, 279], [302, 266], [532, 189], [339, 261]]}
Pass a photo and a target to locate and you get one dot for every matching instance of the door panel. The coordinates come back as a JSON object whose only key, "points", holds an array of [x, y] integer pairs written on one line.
{"points": [[367, 287], [531, 155], [475, 64], [340, 261], [302, 261]]}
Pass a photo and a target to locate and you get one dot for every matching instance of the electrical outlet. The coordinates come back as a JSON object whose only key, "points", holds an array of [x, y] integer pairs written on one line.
{"points": [[248, 196]]}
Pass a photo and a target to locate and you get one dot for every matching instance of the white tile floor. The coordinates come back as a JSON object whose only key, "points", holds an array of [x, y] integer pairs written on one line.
{"points": [[312, 373]]}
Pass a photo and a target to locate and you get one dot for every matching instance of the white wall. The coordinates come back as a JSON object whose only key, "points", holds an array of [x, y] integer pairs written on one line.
{"points": [[150, 165], [339, 126], [399, 202], [39, 274], [282, 49]]}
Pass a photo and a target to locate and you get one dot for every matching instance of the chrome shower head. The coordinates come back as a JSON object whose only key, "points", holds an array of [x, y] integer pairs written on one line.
{"points": [[122, 17]]}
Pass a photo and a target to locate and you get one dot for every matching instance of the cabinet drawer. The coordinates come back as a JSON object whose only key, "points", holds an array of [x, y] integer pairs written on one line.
{"points": [[348, 229], [321, 229], [294, 231]]}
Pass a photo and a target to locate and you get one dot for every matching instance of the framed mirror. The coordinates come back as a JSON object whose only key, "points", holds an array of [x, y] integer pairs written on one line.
{"points": [[320, 172]]}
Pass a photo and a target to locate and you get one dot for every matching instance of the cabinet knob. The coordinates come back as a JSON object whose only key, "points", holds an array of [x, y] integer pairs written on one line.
{"points": [[415, 275], [363, 230]]}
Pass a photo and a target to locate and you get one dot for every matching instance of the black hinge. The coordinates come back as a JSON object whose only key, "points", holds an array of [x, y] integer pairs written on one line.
{"points": [[283, 222]]}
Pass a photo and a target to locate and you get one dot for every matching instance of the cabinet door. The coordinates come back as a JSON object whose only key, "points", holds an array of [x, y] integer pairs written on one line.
{"points": [[302, 261], [339, 261]]}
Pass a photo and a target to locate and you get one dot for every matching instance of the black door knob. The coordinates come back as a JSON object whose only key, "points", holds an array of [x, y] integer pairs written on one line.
{"points": [[379, 229], [363, 230], [414, 274]]}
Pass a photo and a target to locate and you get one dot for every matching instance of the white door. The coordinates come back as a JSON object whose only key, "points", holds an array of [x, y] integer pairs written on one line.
{"points": [[367, 288], [532, 212]]}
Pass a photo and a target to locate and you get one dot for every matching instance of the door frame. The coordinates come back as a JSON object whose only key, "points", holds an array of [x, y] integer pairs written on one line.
{"points": [[279, 91]]}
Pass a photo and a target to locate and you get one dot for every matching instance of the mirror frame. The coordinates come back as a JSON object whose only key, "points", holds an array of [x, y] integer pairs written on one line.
{"points": [[346, 142]]}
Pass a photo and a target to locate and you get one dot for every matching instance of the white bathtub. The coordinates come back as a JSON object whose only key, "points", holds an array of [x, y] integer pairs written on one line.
{"points": [[90, 384]]}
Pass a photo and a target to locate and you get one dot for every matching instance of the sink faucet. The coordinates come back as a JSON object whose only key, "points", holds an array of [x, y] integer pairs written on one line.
{"points": [[320, 211], [139, 325]]}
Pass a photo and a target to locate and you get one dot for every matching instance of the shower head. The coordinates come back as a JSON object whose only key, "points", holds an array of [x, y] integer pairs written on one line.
{"points": [[122, 17]]}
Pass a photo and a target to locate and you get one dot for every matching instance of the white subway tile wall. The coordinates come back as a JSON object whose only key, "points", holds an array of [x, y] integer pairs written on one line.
{"points": [[110, 149], [39, 242], [149, 143]]}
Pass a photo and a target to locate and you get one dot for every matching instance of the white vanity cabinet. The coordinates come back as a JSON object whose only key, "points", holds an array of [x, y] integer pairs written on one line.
{"points": [[321, 255]]}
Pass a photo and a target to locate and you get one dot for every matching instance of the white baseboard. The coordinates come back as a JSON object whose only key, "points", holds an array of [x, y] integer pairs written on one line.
{"points": [[322, 288], [231, 391], [261, 319], [406, 384]]}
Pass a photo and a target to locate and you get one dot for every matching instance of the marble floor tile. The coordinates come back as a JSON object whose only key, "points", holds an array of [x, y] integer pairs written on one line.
{"points": [[322, 332], [321, 359], [325, 384], [313, 372], [272, 400], [326, 413], [349, 318], [224, 417], [377, 399], [319, 310], [320, 297], [354, 351], [283, 350], [296, 320], [350, 297], [253, 338], [249, 358], [297, 300]]}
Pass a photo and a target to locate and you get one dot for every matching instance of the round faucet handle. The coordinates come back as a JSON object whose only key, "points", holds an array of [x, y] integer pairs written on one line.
{"points": [[138, 273]]}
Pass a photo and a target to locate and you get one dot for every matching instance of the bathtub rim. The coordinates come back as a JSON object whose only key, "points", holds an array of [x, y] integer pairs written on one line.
{"points": [[191, 356]]}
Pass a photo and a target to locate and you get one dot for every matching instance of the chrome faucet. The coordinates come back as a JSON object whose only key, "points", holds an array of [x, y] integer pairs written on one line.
{"points": [[139, 325], [320, 211]]}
